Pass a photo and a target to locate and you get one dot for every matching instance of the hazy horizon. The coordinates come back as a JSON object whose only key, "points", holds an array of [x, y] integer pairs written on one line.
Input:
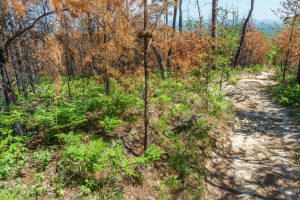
{"points": [[262, 9]]}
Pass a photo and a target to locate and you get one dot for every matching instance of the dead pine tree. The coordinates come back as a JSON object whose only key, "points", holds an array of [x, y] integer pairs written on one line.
{"points": [[245, 26], [290, 14], [170, 52], [287, 57]]}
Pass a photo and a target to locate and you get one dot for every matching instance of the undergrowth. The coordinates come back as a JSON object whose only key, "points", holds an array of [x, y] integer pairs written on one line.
{"points": [[61, 142], [287, 93]]}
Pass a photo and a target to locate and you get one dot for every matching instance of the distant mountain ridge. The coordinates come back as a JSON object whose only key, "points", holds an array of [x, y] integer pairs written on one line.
{"points": [[268, 26], [268, 21]]}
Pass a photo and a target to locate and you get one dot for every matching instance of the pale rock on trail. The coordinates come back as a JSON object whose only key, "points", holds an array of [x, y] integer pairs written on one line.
{"points": [[259, 160]]}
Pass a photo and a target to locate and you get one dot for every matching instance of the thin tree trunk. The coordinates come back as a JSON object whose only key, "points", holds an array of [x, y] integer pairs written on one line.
{"points": [[174, 28], [8, 91], [180, 16], [146, 71], [286, 61], [22, 72], [175, 14], [222, 76], [68, 72], [298, 74], [107, 82], [237, 57], [214, 23], [199, 11], [167, 12], [160, 63]]}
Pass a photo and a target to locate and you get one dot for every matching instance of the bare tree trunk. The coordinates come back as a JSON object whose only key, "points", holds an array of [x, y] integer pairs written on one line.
{"points": [[180, 16], [298, 74], [107, 81], [146, 71], [8, 91], [167, 11], [199, 10], [174, 28], [286, 61], [160, 63], [222, 77], [68, 68], [237, 57], [214, 23], [175, 14]]}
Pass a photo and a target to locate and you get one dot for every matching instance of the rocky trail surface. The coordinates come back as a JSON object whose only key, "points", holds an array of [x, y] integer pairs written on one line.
{"points": [[258, 161]]}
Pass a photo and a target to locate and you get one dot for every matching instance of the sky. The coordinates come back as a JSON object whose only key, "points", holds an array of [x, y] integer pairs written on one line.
{"points": [[262, 9]]}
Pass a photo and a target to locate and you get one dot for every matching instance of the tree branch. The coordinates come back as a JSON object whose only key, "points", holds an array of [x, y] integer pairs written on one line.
{"points": [[24, 30]]}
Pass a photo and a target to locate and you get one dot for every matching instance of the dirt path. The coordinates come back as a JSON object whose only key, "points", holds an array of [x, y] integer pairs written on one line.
{"points": [[259, 160]]}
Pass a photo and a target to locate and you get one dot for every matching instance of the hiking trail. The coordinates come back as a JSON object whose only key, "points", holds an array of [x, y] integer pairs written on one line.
{"points": [[259, 158]]}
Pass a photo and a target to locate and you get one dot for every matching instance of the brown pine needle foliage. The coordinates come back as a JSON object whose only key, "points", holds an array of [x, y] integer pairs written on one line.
{"points": [[255, 49], [282, 41]]}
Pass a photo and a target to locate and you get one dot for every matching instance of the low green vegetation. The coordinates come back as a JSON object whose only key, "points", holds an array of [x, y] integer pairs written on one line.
{"points": [[287, 93], [81, 145]]}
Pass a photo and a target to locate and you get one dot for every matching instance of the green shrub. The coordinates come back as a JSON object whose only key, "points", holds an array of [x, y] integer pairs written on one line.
{"points": [[218, 104], [62, 115], [41, 159], [152, 154], [96, 156], [162, 123], [201, 129], [179, 161], [69, 138], [287, 94], [181, 110], [172, 182], [12, 156], [7, 195], [110, 123], [169, 185]]}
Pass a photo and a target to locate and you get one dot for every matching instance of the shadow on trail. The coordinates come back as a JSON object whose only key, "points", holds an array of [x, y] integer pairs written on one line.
{"points": [[260, 161]]}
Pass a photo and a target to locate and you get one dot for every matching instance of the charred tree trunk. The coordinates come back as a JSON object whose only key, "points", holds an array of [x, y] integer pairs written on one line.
{"points": [[180, 16], [21, 71], [175, 14], [237, 57], [8, 91], [160, 63], [146, 73], [29, 72]]}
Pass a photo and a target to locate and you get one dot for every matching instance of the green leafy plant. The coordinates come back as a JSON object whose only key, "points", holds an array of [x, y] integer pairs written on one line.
{"points": [[41, 159], [12, 156], [69, 138], [179, 161], [97, 156], [110, 123], [218, 104], [287, 94], [152, 154]]}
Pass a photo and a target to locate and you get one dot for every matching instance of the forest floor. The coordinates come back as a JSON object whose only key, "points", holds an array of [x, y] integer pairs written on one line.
{"points": [[259, 161]]}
